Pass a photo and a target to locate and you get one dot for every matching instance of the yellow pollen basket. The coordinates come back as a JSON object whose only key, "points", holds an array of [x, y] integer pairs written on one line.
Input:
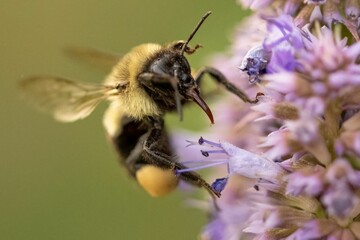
{"points": [[157, 181]]}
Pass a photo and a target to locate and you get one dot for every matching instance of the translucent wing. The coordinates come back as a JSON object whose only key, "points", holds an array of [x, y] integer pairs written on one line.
{"points": [[104, 60], [67, 100]]}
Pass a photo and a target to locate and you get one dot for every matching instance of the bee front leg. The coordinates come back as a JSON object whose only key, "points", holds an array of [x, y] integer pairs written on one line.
{"points": [[221, 79], [152, 80]]}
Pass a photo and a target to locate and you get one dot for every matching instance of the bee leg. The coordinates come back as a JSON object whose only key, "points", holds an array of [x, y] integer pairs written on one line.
{"points": [[195, 179], [150, 80], [221, 79], [132, 161], [156, 157]]}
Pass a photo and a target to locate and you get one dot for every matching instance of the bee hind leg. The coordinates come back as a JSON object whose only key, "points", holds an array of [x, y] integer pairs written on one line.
{"points": [[154, 154]]}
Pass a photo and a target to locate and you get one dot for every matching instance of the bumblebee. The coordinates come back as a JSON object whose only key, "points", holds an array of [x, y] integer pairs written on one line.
{"points": [[144, 84]]}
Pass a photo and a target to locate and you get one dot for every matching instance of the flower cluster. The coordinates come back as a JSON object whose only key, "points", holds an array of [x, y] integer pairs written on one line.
{"points": [[293, 171]]}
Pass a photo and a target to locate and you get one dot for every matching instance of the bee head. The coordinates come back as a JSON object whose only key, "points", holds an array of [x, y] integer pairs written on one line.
{"points": [[188, 87], [172, 63]]}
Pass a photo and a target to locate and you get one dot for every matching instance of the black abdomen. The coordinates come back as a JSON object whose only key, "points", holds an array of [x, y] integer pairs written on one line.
{"points": [[131, 141], [128, 140]]}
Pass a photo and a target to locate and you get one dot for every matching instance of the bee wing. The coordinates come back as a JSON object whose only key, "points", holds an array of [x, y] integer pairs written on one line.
{"points": [[67, 100], [104, 60]]}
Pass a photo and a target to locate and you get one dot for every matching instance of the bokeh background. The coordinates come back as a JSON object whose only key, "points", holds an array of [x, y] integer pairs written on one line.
{"points": [[62, 181]]}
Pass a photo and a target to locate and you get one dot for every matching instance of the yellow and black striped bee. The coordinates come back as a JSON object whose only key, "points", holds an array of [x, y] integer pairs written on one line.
{"points": [[146, 83]]}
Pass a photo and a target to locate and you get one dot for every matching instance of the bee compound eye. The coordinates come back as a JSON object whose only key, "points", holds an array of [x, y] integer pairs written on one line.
{"points": [[157, 181]]}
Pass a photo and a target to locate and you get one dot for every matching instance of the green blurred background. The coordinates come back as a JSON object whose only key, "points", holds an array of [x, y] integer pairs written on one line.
{"points": [[62, 181]]}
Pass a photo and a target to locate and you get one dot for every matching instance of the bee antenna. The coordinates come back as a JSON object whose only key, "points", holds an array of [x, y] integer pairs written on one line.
{"points": [[194, 32]]}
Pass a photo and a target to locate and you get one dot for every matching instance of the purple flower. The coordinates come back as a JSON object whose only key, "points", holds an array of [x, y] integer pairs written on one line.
{"points": [[316, 2], [299, 147], [255, 4], [239, 161], [283, 40], [329, 12], [235, 209], [219, 184], [306, 181], [214, 230], [315, 229], [283, 31], [352, 9], [255, 63], [339, 200]]}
